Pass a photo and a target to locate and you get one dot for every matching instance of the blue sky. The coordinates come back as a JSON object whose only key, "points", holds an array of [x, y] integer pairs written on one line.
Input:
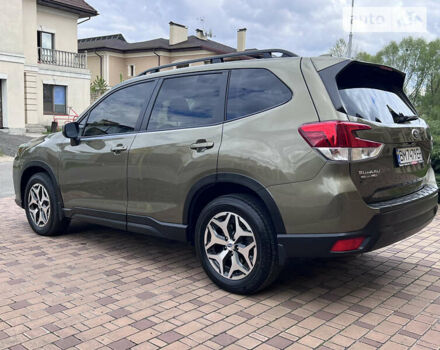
{"points": [[306, 27]]}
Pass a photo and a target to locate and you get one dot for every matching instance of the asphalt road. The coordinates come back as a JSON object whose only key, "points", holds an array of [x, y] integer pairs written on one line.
{"points": [[6, 184], [8, 148], [9, 143]]}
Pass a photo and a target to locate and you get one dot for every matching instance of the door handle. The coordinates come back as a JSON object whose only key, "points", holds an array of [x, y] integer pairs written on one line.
{"points": [[201, 145], [118, 148]]}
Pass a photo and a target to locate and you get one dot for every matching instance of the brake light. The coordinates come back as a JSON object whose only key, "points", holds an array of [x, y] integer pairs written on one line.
{"points": [[336, 140], [345, 245]]}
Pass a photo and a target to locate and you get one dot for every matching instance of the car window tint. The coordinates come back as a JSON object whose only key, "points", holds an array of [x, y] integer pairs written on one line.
{"points": [[187, 102], [372, 92], [254, 90], [374, 104], [119, 112], [82, 124]]}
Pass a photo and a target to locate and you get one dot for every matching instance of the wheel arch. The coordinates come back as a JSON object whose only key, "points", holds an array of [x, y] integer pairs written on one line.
{"points": [[216, 185], [32, 168]]}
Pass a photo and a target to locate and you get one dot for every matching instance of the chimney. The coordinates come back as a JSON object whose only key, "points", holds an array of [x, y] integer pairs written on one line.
{"points": [[241, 39], [200, 34], [178, 33]]}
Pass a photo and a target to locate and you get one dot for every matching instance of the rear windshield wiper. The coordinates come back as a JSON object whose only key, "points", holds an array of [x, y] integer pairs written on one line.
{"points": [[400, 118]]}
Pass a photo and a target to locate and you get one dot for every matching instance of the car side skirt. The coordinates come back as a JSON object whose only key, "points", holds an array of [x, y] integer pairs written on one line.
{"points": [[133, 223]]}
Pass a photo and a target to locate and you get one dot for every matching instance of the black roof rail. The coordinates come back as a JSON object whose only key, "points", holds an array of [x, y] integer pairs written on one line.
{"points": [[267, 53]]}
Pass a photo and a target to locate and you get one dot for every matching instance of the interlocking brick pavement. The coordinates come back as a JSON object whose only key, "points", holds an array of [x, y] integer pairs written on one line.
{"points": [[97, 288]]}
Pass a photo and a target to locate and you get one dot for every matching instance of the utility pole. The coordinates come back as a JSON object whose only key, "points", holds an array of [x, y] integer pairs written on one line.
{"points": [[350, 37]]}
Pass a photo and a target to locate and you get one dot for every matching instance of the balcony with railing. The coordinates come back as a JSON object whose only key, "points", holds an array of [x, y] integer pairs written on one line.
{"points": [[62, 58]]}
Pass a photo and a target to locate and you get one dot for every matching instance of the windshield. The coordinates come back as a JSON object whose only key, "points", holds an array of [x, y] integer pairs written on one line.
{"points": [[373, 104]]}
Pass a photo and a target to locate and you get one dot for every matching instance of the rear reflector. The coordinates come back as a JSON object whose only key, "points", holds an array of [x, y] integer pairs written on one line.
{"points": [[336, 140], [344, 245]]}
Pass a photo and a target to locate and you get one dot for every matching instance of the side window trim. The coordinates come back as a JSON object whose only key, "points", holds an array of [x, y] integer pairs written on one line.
{"points": [[225, 101], [100, 100], [260, 111], [147, 114], [146, 106], [223, 72]]}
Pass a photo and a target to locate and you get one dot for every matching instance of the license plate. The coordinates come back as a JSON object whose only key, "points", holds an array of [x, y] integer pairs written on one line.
{"points": [[409, 156]]}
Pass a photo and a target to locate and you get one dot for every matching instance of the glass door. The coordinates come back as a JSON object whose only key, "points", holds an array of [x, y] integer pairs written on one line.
{"points": [[46, 47]]}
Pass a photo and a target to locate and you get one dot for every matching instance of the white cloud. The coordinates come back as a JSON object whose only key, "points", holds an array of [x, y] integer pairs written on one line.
{"points": [[307, 27]]}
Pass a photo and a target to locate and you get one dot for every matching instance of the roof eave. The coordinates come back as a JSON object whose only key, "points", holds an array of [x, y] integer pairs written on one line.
{"points": [[82, 13], [93, 49], [207, 48]]}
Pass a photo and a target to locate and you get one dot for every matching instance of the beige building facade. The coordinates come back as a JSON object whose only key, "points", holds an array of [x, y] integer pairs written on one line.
{"points": [[114, 59], [42, 75]]}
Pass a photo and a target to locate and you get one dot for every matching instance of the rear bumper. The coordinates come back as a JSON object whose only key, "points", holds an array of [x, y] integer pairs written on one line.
{"points": [[396, 219]]}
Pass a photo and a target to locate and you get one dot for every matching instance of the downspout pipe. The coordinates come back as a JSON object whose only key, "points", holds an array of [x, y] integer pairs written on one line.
{"points": [[100, 63], [158, 57], [87, 19]]}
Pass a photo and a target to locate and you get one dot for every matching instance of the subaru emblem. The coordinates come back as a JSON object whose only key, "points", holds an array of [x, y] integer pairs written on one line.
{"points": [[415, 133]]}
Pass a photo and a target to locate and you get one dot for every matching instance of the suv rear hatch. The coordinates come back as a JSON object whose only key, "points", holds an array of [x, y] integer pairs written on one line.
{"points": [[373, 95]]}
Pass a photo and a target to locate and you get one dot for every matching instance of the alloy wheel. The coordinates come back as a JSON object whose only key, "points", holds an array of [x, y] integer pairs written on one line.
{"points": [[230, 245], [39, 205]]}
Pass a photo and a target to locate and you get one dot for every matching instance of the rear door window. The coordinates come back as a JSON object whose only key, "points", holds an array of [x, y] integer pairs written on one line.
{"points": [[189, 102], [254, 90]]}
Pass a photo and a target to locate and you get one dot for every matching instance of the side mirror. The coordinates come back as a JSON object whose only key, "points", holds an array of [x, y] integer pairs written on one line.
{"points": [[71, 131]]}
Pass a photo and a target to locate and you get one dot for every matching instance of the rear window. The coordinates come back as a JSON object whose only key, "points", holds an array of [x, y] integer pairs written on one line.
{"points": [[254, 90], [373, 104], [373, 93]]}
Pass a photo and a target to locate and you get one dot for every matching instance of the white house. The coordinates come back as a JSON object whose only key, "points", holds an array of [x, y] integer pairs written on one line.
{"points": [[42, 75]]}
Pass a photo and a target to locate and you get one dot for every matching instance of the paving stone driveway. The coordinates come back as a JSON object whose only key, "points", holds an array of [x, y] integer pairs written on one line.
{"points": [[99, 288]]}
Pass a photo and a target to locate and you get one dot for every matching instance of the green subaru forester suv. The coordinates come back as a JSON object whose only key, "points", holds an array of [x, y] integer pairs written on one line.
{"points": [[253, 157]]}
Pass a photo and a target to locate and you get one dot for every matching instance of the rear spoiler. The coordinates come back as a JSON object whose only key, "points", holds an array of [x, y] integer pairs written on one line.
{"points": [[351, 74]]}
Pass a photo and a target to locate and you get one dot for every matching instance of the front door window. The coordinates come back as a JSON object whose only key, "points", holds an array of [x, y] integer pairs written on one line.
{"points": [[119, 112]]}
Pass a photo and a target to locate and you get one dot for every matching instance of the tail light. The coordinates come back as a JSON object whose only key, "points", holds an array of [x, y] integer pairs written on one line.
{"points": [[336, 140]]}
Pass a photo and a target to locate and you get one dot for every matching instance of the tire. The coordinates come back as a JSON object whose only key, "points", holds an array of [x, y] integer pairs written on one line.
{"points": [[41, 206], [256, 239]]}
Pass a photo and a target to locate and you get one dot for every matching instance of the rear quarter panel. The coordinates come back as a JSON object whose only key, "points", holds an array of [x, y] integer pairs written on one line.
{"points": [[328, 203], [321, 99], [267, 146]]}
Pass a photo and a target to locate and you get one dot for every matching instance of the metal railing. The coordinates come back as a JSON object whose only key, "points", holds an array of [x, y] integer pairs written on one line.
{"points": [[62, 58]]}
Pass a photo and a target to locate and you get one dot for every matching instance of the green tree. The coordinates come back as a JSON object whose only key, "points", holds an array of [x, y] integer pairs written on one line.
{"points": [[339, 49], [418, 58], [98, 86], [365, 56], [409, 56], [431, 92]]}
